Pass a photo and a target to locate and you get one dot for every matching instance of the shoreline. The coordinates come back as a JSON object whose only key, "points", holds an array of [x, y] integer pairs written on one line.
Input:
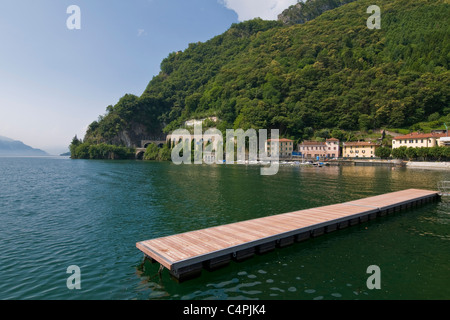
{"points": [[389, 163], [428, 165]]}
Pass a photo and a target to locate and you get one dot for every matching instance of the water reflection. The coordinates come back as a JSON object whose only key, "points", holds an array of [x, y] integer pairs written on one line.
{"points": [[58, 212], [325, 268]]}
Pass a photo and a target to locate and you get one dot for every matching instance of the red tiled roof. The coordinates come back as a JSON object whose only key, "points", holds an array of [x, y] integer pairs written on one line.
{"points": [[332, 139], [312, 143], [281, 140], [417, 135], [360, 144]]}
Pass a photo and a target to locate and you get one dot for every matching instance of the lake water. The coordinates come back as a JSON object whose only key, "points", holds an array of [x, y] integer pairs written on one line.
{"points": [[57, 212]]}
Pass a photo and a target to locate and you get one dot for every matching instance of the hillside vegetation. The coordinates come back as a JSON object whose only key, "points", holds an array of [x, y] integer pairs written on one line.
{"points": [[330, 73]]}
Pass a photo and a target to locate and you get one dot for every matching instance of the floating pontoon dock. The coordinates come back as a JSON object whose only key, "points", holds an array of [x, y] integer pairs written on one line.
{"points": [[186, 254]]}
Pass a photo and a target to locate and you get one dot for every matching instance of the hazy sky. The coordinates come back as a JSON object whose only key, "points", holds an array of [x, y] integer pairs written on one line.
{"points": [[54, 81]]}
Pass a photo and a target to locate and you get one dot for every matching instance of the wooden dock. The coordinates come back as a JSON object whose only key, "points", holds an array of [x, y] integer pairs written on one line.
{"points": [[186, 254]]}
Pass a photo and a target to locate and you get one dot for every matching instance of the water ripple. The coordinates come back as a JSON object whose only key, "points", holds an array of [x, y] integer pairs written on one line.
{"points": [[56, 212]]}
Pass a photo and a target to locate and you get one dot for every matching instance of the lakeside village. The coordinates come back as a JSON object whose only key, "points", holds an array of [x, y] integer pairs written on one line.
{"points": [[430, 149]]}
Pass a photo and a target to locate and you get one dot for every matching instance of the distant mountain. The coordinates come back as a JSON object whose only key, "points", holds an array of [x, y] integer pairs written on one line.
{"points": [[10, 147]]}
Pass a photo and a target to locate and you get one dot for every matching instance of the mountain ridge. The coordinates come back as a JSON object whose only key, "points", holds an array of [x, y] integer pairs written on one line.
{"points": [[11, 147], [305, 11]]}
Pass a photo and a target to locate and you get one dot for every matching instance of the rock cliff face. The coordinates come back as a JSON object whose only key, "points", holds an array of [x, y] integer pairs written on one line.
{"points": [[132, 136], [305, 11]]}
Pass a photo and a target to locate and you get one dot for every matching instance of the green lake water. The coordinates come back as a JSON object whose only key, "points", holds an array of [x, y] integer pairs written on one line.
{"points": [[57, 212]]}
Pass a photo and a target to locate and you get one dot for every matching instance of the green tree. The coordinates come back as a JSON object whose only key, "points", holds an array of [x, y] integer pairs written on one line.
{"points": [[324, 133], [151, 152], [423, 153], [338, 134], [434, 117], [437, 153], [446, 153], [81, 151], [411, 153], [399, 153], [365, 122], [165, 154], [74, 144], [383, 152]]}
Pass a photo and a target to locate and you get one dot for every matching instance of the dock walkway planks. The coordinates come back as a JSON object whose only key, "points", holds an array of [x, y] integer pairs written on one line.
{"points": [[186, 254]]}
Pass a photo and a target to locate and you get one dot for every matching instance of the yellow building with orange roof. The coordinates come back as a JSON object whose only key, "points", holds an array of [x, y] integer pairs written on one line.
{"points": [[360, 149], [418, 140]]}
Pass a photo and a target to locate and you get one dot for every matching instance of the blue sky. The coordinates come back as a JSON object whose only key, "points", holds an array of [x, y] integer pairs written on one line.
{"points": [[54, 81]]}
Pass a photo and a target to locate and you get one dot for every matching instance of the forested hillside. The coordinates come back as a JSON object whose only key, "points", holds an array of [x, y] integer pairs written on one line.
{"points": [[328, 73]]}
